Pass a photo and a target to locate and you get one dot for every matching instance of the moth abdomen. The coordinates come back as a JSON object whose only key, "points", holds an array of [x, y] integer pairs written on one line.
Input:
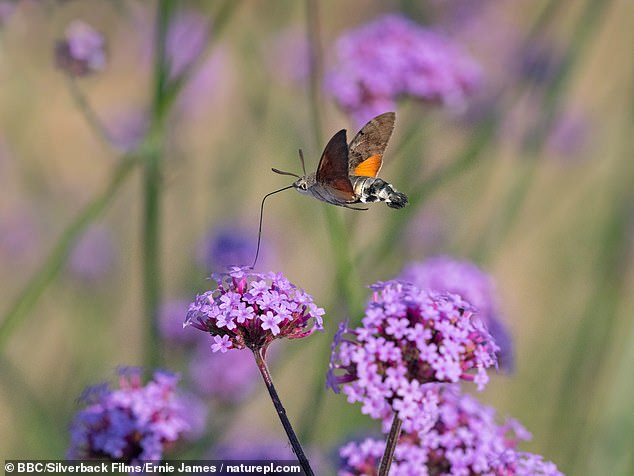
{"points": [[372, 189]]}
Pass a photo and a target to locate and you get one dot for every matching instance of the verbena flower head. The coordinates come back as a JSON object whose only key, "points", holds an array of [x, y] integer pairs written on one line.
{"points": [[82, 51], [464, 440], [249, 309], [132, 424], [409, 338], [394, 57], [446, 274]]}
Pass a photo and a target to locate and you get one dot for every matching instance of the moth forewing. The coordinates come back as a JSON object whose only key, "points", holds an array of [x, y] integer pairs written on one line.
{"points": [[369, 145]]}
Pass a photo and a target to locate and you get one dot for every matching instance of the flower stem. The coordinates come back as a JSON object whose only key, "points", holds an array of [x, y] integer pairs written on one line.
{"points": [[281, 412], [390, 446], [87, 111], [152, 188]]}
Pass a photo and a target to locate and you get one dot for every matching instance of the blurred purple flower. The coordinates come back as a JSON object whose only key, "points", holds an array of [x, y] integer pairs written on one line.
{"points": [[208, 83], [447, 274], [7, 8], [394, 57], [170, 320], [186, 38], [538, 62], [409, 338], [94, 254], [195, 412], [249, 309], [81, 52], [225, 246], [20, 234], [465, 439], [569, 135], [228, 377], [132, 424], [126, 129], [288, 55]]}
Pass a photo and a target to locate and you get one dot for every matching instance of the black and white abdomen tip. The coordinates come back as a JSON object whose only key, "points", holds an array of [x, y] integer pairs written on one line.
{"points": [[371, 189]]}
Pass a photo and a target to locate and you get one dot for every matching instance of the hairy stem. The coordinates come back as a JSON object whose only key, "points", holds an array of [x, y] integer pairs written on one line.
{"points": [[390, 446]]}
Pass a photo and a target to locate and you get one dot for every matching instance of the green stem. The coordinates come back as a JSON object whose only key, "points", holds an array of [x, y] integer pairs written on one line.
{"points": [[55, 261], [347, 280], [152, 190], [87, 111]]}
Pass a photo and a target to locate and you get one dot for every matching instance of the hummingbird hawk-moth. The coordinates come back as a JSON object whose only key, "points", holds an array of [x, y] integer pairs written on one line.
{"points": [[347, 173]]}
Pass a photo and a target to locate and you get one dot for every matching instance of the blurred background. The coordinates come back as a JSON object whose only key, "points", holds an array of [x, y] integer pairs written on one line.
{"points": [[125, 180]]}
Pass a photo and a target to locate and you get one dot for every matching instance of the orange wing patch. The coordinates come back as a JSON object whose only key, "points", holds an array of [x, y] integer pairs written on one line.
{"points": [[369, 167]]}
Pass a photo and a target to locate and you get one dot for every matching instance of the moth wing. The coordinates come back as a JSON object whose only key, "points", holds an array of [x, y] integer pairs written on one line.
{"points": [[365, 153], [369, 167], [333, 167]]}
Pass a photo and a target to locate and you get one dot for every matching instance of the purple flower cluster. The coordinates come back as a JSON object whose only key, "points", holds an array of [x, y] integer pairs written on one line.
{"points": [[409, 338], [393, 57], [447, 274], [249, 309], [81, 52], [132, 424], [464, 440]]}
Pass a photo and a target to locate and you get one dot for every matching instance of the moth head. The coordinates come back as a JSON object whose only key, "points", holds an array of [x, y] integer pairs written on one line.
{"points": [[301, 184]]}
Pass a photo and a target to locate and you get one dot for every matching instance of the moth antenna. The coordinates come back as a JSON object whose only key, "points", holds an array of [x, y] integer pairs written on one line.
{"points": [[281, 172], [301, 159], [257, 250]]}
